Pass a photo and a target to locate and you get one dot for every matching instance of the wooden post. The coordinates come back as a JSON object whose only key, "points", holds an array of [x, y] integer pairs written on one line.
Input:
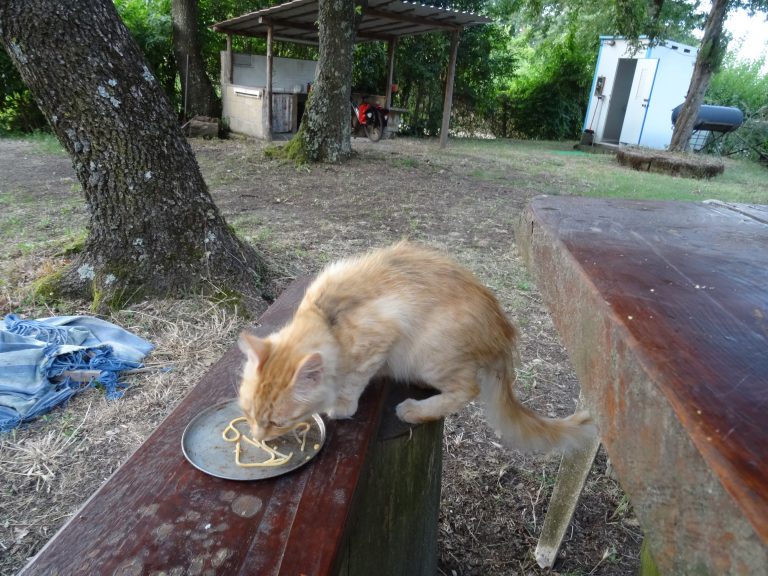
{"points": [[268, 91], [391, 44], [449, 89], [230, 59], [574, 469], [393, 527]]}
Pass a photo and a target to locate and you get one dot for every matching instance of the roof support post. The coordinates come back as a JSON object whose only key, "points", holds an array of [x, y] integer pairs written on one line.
{"points": [[268, 91], [391, 45], [230, 57], [448, 101]]}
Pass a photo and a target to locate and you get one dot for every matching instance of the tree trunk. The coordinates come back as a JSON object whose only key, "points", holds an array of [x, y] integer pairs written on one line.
{"points": [[153, 228], [198, 96], [326, 130], [713, 46]]}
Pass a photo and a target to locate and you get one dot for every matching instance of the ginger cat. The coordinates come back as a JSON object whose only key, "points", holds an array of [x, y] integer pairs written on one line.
{"points": [[408, 312]]}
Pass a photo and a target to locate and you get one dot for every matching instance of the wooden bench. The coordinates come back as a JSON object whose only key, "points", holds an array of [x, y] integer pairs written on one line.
{"points": [[367, 504], [663, 307]]}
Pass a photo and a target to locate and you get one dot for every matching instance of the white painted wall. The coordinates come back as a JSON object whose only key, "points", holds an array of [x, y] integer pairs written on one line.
{"points": [[244, 110], [669, 86], [243, 99], [288, 74]]}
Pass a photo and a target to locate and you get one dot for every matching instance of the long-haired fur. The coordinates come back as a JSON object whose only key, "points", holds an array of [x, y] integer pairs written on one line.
{"points": [[408, 312]]}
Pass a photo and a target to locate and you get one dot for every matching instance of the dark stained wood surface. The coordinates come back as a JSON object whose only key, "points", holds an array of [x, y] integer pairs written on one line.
{"points": [[158, 514], [663, 307]]}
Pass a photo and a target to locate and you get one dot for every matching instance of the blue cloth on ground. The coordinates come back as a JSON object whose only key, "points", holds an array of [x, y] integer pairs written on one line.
{"points": [[34, 352]]}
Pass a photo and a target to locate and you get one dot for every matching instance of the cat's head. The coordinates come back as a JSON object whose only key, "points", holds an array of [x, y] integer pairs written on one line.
{"points": [[281, 387]]}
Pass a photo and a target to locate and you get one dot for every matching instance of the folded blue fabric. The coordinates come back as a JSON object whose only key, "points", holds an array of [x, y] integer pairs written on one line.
{"points": [[34, 352]]}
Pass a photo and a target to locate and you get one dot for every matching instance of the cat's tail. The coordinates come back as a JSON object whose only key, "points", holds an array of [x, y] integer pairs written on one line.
{"points": [[523, 429]]}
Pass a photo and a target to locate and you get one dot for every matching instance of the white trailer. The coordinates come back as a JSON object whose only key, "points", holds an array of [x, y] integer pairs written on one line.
{"points": [[635, 90]]}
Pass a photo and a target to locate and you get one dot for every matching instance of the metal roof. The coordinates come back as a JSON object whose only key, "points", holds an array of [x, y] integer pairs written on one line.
{"points": [[295, 21]]}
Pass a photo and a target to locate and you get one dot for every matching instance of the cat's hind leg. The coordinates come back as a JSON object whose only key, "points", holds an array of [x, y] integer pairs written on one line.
{"points": [[450, 400]]}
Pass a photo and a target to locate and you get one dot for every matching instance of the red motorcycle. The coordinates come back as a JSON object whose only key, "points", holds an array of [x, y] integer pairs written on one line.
{"points": [[371, 117]]}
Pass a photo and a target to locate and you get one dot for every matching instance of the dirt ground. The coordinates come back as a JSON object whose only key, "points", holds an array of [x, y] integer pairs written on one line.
{"points": [[493, 500]]}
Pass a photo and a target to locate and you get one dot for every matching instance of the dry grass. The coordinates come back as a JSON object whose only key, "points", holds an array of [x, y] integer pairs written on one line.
{"points": [[50, 467]]}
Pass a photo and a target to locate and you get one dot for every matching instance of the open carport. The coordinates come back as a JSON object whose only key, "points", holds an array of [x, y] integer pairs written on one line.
{"points": [[380, 21]]}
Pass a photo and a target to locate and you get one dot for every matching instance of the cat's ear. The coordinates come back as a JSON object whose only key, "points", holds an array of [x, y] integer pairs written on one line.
{"points": [[255, 348], [309, 377]]}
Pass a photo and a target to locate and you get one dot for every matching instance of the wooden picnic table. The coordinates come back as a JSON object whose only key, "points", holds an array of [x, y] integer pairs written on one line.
{"points": [[367, 504], [663, 307]]}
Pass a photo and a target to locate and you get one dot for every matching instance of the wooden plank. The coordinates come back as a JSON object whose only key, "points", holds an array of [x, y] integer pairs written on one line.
{"points": [[663, 309], [159, 514], [282, 112]]}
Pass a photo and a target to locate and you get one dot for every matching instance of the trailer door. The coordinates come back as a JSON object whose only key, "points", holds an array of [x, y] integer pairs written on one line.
{"points": [[639, 97]]}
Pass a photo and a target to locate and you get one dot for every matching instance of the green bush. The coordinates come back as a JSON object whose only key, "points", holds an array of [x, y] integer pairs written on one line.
{"points": [[743, 85], [548, 101], [149, 22], [19, 113], [18, 110]]}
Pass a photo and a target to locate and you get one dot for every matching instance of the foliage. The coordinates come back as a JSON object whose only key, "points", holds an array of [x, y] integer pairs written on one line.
{"points": [[19, 113], [742, 84], [149, 21], [548, 99], [420, 65], [369, 72], [484, 65], [18, 110]]}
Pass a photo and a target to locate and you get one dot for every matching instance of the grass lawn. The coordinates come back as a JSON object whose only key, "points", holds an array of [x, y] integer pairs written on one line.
{"points": [[568, 171]]}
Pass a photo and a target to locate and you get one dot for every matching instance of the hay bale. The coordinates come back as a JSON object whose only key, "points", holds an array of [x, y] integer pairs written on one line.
{"points": [[672, 163]]}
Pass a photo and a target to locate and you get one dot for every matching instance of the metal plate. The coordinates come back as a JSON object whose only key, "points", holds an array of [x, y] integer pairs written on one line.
{"points": [[206, 449]]}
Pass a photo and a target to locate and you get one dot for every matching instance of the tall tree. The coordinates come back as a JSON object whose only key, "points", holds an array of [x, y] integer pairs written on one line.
{"points": [[325, 135], [153, 227], [713, 47], [198, 95]]}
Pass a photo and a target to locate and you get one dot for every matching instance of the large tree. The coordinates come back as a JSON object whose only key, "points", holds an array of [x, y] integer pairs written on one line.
{"points": [[325, 134], [198, 96], [153, 227], [713, 47]]}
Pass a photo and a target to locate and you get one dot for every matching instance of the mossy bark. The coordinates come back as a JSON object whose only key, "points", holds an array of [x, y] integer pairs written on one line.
{"points": [[325, 135], [153, 228]]}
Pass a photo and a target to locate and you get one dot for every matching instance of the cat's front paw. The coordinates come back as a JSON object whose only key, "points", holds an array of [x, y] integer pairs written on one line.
{"points": [[408, 411], [343, 409]]}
